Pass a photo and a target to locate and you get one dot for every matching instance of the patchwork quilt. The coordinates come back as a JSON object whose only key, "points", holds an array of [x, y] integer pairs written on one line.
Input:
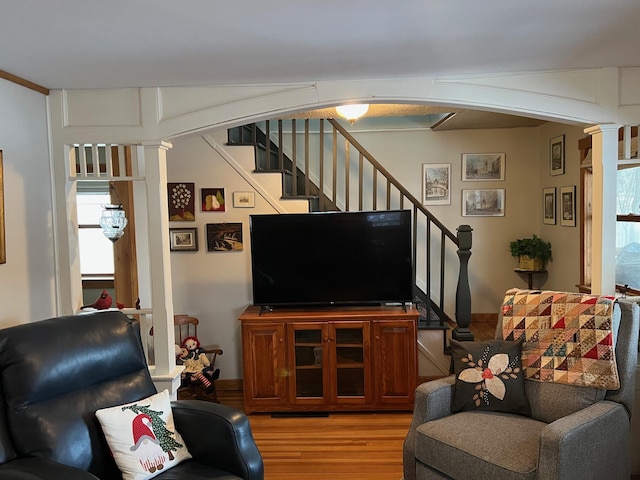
{"points": [[569, 337]]}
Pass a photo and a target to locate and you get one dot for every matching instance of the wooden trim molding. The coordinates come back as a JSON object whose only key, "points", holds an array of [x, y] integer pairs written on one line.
{"points": [[24, 83], [3, 248]]}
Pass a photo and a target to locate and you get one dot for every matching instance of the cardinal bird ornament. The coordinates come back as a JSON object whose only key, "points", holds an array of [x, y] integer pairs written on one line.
{"points": [[103, 302]]}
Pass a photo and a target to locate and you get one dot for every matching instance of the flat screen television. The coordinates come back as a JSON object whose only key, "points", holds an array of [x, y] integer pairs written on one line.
{"points": [[331, 258]]}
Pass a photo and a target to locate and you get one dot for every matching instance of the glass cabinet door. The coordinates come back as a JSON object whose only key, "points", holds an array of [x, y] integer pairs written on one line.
{"points": [[350, 344], [331, 363], [308, 361]]}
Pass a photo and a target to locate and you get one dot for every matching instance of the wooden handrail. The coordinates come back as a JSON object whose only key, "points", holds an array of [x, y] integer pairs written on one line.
{"points": [[394, 182]]}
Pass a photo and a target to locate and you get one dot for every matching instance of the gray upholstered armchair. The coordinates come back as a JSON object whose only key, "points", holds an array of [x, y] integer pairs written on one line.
{"points": [[573, 432]]}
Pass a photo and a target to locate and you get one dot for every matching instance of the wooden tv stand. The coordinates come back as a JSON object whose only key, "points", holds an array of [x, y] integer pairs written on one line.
{"points": [[329, 359]]}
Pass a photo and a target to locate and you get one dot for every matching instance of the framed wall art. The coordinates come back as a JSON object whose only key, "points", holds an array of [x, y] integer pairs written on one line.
{"points": [[549, 205], [482, 167], [568, 206], [3, 248], [483, 202], [183, 239], [244, 199], [436, 184], [181, 202], [213, 199], [556, 155], [224, 237]]}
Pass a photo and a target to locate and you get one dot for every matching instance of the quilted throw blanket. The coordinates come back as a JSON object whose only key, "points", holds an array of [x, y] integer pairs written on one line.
{"points": [[569, 337]]}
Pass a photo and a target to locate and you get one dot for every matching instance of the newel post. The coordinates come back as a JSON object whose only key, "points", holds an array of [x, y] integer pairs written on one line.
{"points": [[463, 292]]}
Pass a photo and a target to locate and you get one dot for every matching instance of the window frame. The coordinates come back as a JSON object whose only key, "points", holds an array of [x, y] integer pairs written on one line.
{"points": [[586, 216]]}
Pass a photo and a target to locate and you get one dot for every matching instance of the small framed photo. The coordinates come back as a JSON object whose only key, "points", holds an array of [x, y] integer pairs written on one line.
{"points": [[483, 202], [568, 206], [483, 167], [224, 237], [213, 199], [244, 199], [436, 184], [549, 205], [556, 155], [183, 239]]}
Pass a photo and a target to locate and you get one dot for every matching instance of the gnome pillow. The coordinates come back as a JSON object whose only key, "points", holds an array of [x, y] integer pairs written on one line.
{"points": [[143, 437]]}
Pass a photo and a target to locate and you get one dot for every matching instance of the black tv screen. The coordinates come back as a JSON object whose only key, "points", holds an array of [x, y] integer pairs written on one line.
{"points": [[332, 258]]}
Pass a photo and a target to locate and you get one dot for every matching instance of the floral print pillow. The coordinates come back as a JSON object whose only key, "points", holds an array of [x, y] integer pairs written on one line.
{"points": [[489, 377]]}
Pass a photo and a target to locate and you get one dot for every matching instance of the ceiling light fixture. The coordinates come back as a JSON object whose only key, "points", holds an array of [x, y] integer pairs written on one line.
{"points": [[113, 218], [353, 111]]}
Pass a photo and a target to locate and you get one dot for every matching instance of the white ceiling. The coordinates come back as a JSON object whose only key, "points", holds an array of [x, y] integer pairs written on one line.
{"points": [[136, 43], [121, 43]]}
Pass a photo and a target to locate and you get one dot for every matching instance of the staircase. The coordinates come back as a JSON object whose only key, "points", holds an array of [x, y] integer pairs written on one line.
{"points": [[323, 163]]}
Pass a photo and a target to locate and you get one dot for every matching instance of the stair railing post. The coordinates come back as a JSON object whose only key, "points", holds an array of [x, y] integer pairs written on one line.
{"points": [[463, 292]]}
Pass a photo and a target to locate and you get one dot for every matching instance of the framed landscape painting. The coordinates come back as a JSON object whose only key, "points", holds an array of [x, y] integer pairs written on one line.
{"points": [[483, 167], [436, 184], [183, 239], [483, 203], [224, 237], [244, 199]]}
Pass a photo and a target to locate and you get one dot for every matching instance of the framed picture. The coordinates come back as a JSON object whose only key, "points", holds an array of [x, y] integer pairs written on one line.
{"points": [[3, 248], [556, 155], [436, 184], [244, 199], [568, 206], [181, 202], [483, 203], [212, 199], [183, 239], [224, 237], [549, 205], [482, 167]]}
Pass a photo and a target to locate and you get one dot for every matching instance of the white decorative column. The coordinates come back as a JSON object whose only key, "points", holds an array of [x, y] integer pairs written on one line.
{"points": [[604, 161], [166, 375]]}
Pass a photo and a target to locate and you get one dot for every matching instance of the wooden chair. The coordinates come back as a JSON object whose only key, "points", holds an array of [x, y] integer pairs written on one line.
{"points": [[187, 326]]}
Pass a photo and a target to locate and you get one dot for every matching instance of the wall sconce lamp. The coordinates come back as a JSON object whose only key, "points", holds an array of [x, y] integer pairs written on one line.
{"points": [[113, 218], [353, 111]]}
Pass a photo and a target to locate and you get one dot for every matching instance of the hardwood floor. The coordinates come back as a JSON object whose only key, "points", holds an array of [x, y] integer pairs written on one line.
{"points": [[344, 446], [339, 446]]}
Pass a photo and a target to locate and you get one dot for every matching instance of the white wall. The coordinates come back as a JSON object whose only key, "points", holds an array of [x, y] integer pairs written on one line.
{"points": [[27, 285], [216, 286]]}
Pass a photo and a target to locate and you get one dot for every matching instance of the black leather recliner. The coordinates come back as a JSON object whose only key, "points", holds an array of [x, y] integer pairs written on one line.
{"points": [[54, 375]]}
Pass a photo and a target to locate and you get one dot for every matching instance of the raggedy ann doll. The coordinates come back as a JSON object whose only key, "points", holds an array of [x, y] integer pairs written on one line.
{"points": [[197, 367]]}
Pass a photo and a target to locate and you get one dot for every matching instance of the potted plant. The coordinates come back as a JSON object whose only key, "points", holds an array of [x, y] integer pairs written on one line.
{"points": [[533, 252]]}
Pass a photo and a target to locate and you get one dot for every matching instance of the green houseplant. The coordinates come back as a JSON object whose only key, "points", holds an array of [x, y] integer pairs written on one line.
{"points": [[533, 252]]}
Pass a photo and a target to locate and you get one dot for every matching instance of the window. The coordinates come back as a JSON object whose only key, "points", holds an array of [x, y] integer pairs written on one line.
{"points": [[96, 251], [628, 228]]}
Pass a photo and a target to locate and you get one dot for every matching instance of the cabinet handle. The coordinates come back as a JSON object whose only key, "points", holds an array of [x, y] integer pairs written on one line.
{"points": [[377, 337]]}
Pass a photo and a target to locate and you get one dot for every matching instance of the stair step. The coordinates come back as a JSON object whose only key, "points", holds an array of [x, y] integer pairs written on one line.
{"points": [[272, 170], [300, 197]]}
